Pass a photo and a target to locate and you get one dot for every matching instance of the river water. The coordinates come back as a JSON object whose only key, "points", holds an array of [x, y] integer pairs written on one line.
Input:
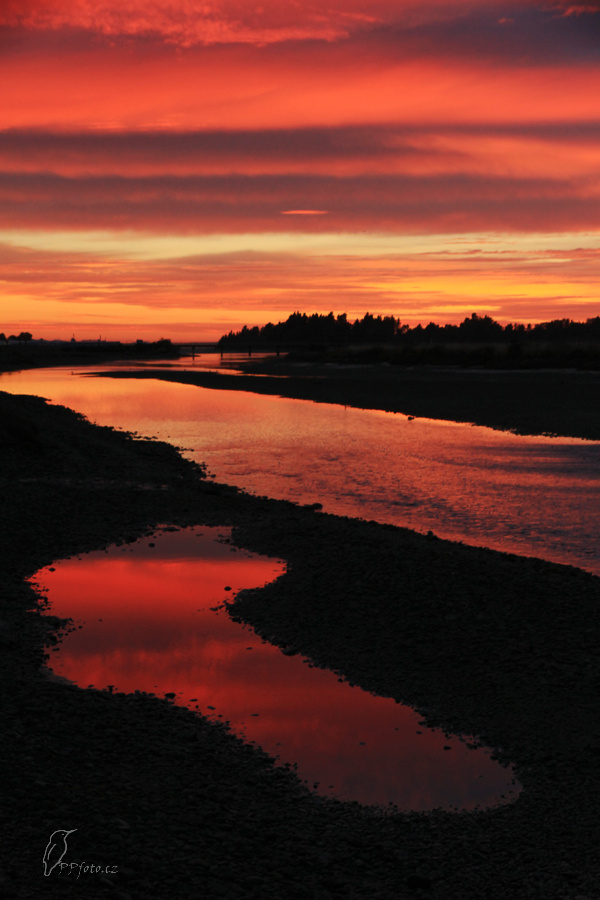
{"points": [[534, 496], [146, 626]]}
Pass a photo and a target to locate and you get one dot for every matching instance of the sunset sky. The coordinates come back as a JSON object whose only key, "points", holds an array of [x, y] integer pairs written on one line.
{"points": [[179, 168]]}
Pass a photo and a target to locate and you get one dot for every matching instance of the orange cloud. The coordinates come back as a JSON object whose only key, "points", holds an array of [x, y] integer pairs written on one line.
{"points": [[48, 292], [224, 88], [183, 118]]}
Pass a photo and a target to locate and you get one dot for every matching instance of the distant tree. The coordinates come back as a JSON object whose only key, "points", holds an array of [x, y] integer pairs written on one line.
{"points": [[24, 337], [3, 338], [480, 328], [320, 330]]}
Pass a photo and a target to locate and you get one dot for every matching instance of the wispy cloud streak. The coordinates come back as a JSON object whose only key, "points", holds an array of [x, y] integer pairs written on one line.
{"points": [[345, 123], [250, 204]]}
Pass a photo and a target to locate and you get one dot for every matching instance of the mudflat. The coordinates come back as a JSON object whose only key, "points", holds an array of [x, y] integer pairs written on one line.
{"points": [[479, 642]]}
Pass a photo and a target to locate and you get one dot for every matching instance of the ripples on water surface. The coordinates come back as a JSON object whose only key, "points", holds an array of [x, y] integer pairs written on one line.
{"points": [[530, 495], [535, 496]]}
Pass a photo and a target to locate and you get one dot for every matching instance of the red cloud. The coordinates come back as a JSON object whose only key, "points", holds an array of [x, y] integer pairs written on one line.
{"points": [[188, 22], [244, 204]]}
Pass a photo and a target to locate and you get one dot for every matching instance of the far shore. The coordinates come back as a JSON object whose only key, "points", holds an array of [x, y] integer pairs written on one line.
{"points": [[16, 357], [557, 402]]}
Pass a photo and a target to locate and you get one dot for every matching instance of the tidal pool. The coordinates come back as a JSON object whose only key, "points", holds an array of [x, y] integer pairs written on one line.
{"points": [[151, 616]]}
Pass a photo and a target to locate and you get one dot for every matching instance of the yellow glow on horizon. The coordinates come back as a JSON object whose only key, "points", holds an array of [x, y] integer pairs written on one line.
{"points": [[480, 288], [233, 163], [150, 246], [89, 282]]}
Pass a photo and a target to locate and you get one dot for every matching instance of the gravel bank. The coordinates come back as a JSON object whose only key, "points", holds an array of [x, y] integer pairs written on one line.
{"points": [[481, 642]]}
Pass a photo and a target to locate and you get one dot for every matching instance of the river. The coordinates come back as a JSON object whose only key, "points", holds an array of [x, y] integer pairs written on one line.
{"points": [[533, 496], [155, 621]]}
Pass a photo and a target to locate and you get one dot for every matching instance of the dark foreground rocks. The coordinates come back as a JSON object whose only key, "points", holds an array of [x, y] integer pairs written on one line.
{"points": [[480, 642]]}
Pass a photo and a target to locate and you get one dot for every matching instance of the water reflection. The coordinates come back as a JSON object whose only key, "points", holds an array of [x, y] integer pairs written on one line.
{"points": [[153, 620], [535, 496]]}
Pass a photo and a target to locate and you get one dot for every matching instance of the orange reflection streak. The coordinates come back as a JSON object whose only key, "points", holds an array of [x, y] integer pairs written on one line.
{"points": [[148, 625]]}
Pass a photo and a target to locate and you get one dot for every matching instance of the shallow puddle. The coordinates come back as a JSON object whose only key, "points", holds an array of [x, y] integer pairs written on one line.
{"points": [[149, 616]]}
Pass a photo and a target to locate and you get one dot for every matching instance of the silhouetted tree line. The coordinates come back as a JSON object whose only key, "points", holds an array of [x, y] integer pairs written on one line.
{"points": [[23, 337], [301, 329]]}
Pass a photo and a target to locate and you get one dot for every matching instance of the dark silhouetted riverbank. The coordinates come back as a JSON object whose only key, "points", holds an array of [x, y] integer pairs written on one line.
{"points": [[554, 402], [481, 642], [34, 354]]}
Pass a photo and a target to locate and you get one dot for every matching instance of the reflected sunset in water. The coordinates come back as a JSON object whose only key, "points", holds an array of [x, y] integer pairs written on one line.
{"points": [[534, 496], [150, 617]]}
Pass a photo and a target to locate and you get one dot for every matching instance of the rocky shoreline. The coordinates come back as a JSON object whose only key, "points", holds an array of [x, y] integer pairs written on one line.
{"points": [[480, 642]]}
